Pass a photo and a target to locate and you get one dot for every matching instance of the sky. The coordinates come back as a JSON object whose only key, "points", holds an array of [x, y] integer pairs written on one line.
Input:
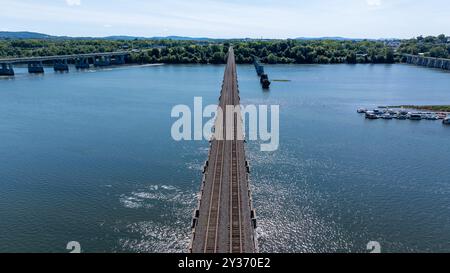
{"points": [[229, 18]]}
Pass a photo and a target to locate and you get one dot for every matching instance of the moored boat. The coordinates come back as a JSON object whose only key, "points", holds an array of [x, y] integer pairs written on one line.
{"points": [[403, 112], [441, 115], [432, 117], [371, 115], [415, 116]]}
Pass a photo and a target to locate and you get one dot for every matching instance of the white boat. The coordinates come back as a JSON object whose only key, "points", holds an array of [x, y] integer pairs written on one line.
{"points": [[361, 110], [371, 115], [441, 115], [446, 121], [415, 116], [386, 116], [403, 112]]}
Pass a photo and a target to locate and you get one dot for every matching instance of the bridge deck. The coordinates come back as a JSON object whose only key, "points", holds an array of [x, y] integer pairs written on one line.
{"points": [[225, 218], [62, 57]]}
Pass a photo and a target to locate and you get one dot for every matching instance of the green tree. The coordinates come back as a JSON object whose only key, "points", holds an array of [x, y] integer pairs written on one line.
{"points": [[218, 58], [351, 58], [438, 52], [272, 59]]}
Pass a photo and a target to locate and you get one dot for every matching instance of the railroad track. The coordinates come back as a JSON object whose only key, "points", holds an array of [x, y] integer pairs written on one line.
{"points": [[223, 221], [211, 241], [235, 198], [214, 209]]}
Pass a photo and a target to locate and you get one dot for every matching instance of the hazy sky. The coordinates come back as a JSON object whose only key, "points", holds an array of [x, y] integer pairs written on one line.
{"points": [[229, 18]]}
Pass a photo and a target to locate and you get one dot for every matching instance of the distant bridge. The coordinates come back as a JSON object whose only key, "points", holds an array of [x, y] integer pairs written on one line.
{"points": [[428, 61], [82, 61]]}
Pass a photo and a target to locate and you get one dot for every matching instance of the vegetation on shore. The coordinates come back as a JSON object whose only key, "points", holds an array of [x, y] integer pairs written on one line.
{"points": [[169, 51], [434, 108], [213, 52], [438, 47]]}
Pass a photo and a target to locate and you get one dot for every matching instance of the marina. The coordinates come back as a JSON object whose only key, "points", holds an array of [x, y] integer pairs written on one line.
{"points": [[402, 114]]}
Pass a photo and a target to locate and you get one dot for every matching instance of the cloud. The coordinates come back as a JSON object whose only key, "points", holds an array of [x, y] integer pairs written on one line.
{"points": [[373, 3], [73, 2]]}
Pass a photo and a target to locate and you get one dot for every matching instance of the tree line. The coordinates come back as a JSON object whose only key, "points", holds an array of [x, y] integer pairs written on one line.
{"points": [[214, 52], [431, 46]]}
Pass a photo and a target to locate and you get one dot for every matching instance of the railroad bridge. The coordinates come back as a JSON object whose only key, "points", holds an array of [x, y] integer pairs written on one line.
{"points": [[225, 220]]}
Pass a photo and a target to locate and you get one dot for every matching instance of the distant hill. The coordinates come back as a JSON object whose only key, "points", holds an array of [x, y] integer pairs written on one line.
{"points": [[181, 38], [35, 35], [177, 38], [330, 38], [344, 39], [23, 35]]}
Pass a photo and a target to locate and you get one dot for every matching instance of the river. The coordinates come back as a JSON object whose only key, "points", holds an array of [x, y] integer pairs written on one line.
{"points": [[88, 157]]}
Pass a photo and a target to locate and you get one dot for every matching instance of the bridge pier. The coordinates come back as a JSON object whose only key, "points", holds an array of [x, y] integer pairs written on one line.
{"points": [[35, 67], [82, 63], [118, 59], [446, 64], [102, 61], [61, 65], [423, 61], [6, 69]]}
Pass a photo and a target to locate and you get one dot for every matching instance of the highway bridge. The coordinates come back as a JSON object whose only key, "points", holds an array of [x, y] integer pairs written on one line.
{"points": [[81, 61], [225, 220]]}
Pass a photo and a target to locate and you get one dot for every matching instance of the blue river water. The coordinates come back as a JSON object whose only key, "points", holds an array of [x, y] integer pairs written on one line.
{"points": [[88, 157]]}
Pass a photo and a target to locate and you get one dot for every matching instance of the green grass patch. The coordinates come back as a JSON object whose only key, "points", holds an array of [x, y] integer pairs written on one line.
{"points": [[435, 108]]}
